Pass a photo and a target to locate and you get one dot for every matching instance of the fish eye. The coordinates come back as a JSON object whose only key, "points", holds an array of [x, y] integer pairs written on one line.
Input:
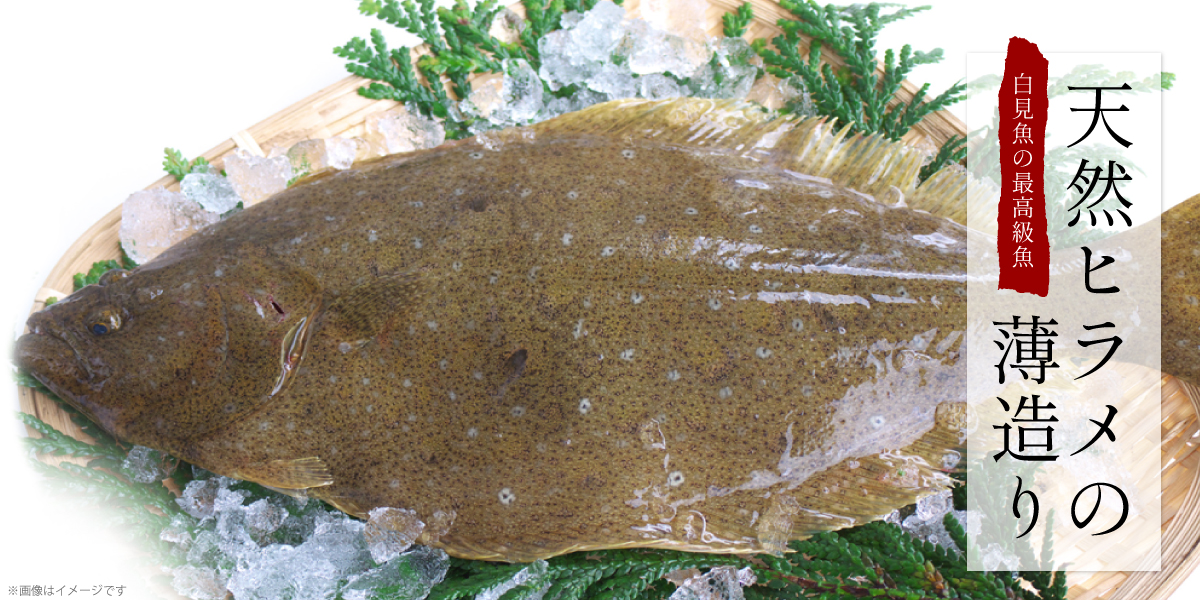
{"points": [[103, 323]]}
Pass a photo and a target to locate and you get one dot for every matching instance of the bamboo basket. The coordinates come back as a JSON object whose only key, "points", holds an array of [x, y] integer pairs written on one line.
{"points": [[338, 110]]}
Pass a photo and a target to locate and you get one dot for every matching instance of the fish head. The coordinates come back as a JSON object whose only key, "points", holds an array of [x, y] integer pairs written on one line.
{"points": [[163, 354]]}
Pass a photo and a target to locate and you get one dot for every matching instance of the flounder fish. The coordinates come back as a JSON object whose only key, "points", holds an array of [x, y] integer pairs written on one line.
{"points": [[669, 324]]}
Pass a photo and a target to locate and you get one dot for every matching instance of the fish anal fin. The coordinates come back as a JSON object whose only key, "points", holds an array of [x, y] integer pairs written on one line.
{"points": [[813, 147], [363, 313], [295, 474]]}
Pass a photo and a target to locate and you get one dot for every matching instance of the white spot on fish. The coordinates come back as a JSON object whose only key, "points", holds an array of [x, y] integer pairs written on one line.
{"points": [[673, 375], [579, 332], [333, 379], [417, 243], [330, 218], [640, 219], [878, 421], [675, 478], [478, 375], [690, 211], [371, 236], [636, 298], [476, 155], [443, 364], [432, 325], [472, 433], [585, 405], [518, 411], [572, 195], [453, 396], [714, 304], [526, 192], [507, 496], [394, 484], [218, 273], [416, 204], [762, 352], [366, 381], [456, 265], [494, 277], [725, 392], [626, 354], [627, 153], [566, 239], [608, 251], [756, 229], [407, 383], [797, 325]]}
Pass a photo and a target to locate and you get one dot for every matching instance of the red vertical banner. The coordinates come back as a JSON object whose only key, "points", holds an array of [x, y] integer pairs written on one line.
{"points": [[1021, 241]]}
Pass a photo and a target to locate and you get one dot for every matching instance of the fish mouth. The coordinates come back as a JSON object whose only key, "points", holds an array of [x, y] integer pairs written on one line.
{"points": [[56, 363]]}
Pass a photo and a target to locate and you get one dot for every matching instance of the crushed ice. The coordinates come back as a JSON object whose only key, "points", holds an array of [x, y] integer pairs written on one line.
{"points": [[154, 220], [719, 583], [927, 522], [144, 465], [281, 547]]}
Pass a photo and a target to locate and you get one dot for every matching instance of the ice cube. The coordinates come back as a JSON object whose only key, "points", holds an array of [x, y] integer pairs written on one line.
{"points": [[156, 219], [658, 87], [522, 91], [533, 575], [256, 178], [563, 63], [339, 539], [144, 465], [507, 26], [264, 517], [313, 156], [402, 129], [413, 574], [211, 190], [597, 34], [614, 81], [439, 524], [199, 583], [485, 97], [661, 52], [933, 508], [179, 531], [199, 495], [720, 583], [390, 531], [206, 549]]}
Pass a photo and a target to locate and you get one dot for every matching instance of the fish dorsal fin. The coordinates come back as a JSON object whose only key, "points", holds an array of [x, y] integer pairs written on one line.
{"points": [[294, 474], [812, 147], [361, 314]]}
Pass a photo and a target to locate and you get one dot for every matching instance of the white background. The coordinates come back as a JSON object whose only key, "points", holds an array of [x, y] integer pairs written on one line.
{"points": [[92, 93]]}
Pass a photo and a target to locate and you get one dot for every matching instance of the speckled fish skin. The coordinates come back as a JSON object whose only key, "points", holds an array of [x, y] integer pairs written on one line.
{"points": [[577, 341]]}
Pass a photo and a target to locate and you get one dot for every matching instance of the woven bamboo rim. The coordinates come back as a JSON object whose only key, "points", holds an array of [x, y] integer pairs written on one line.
{"points": [[338, 110]]}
